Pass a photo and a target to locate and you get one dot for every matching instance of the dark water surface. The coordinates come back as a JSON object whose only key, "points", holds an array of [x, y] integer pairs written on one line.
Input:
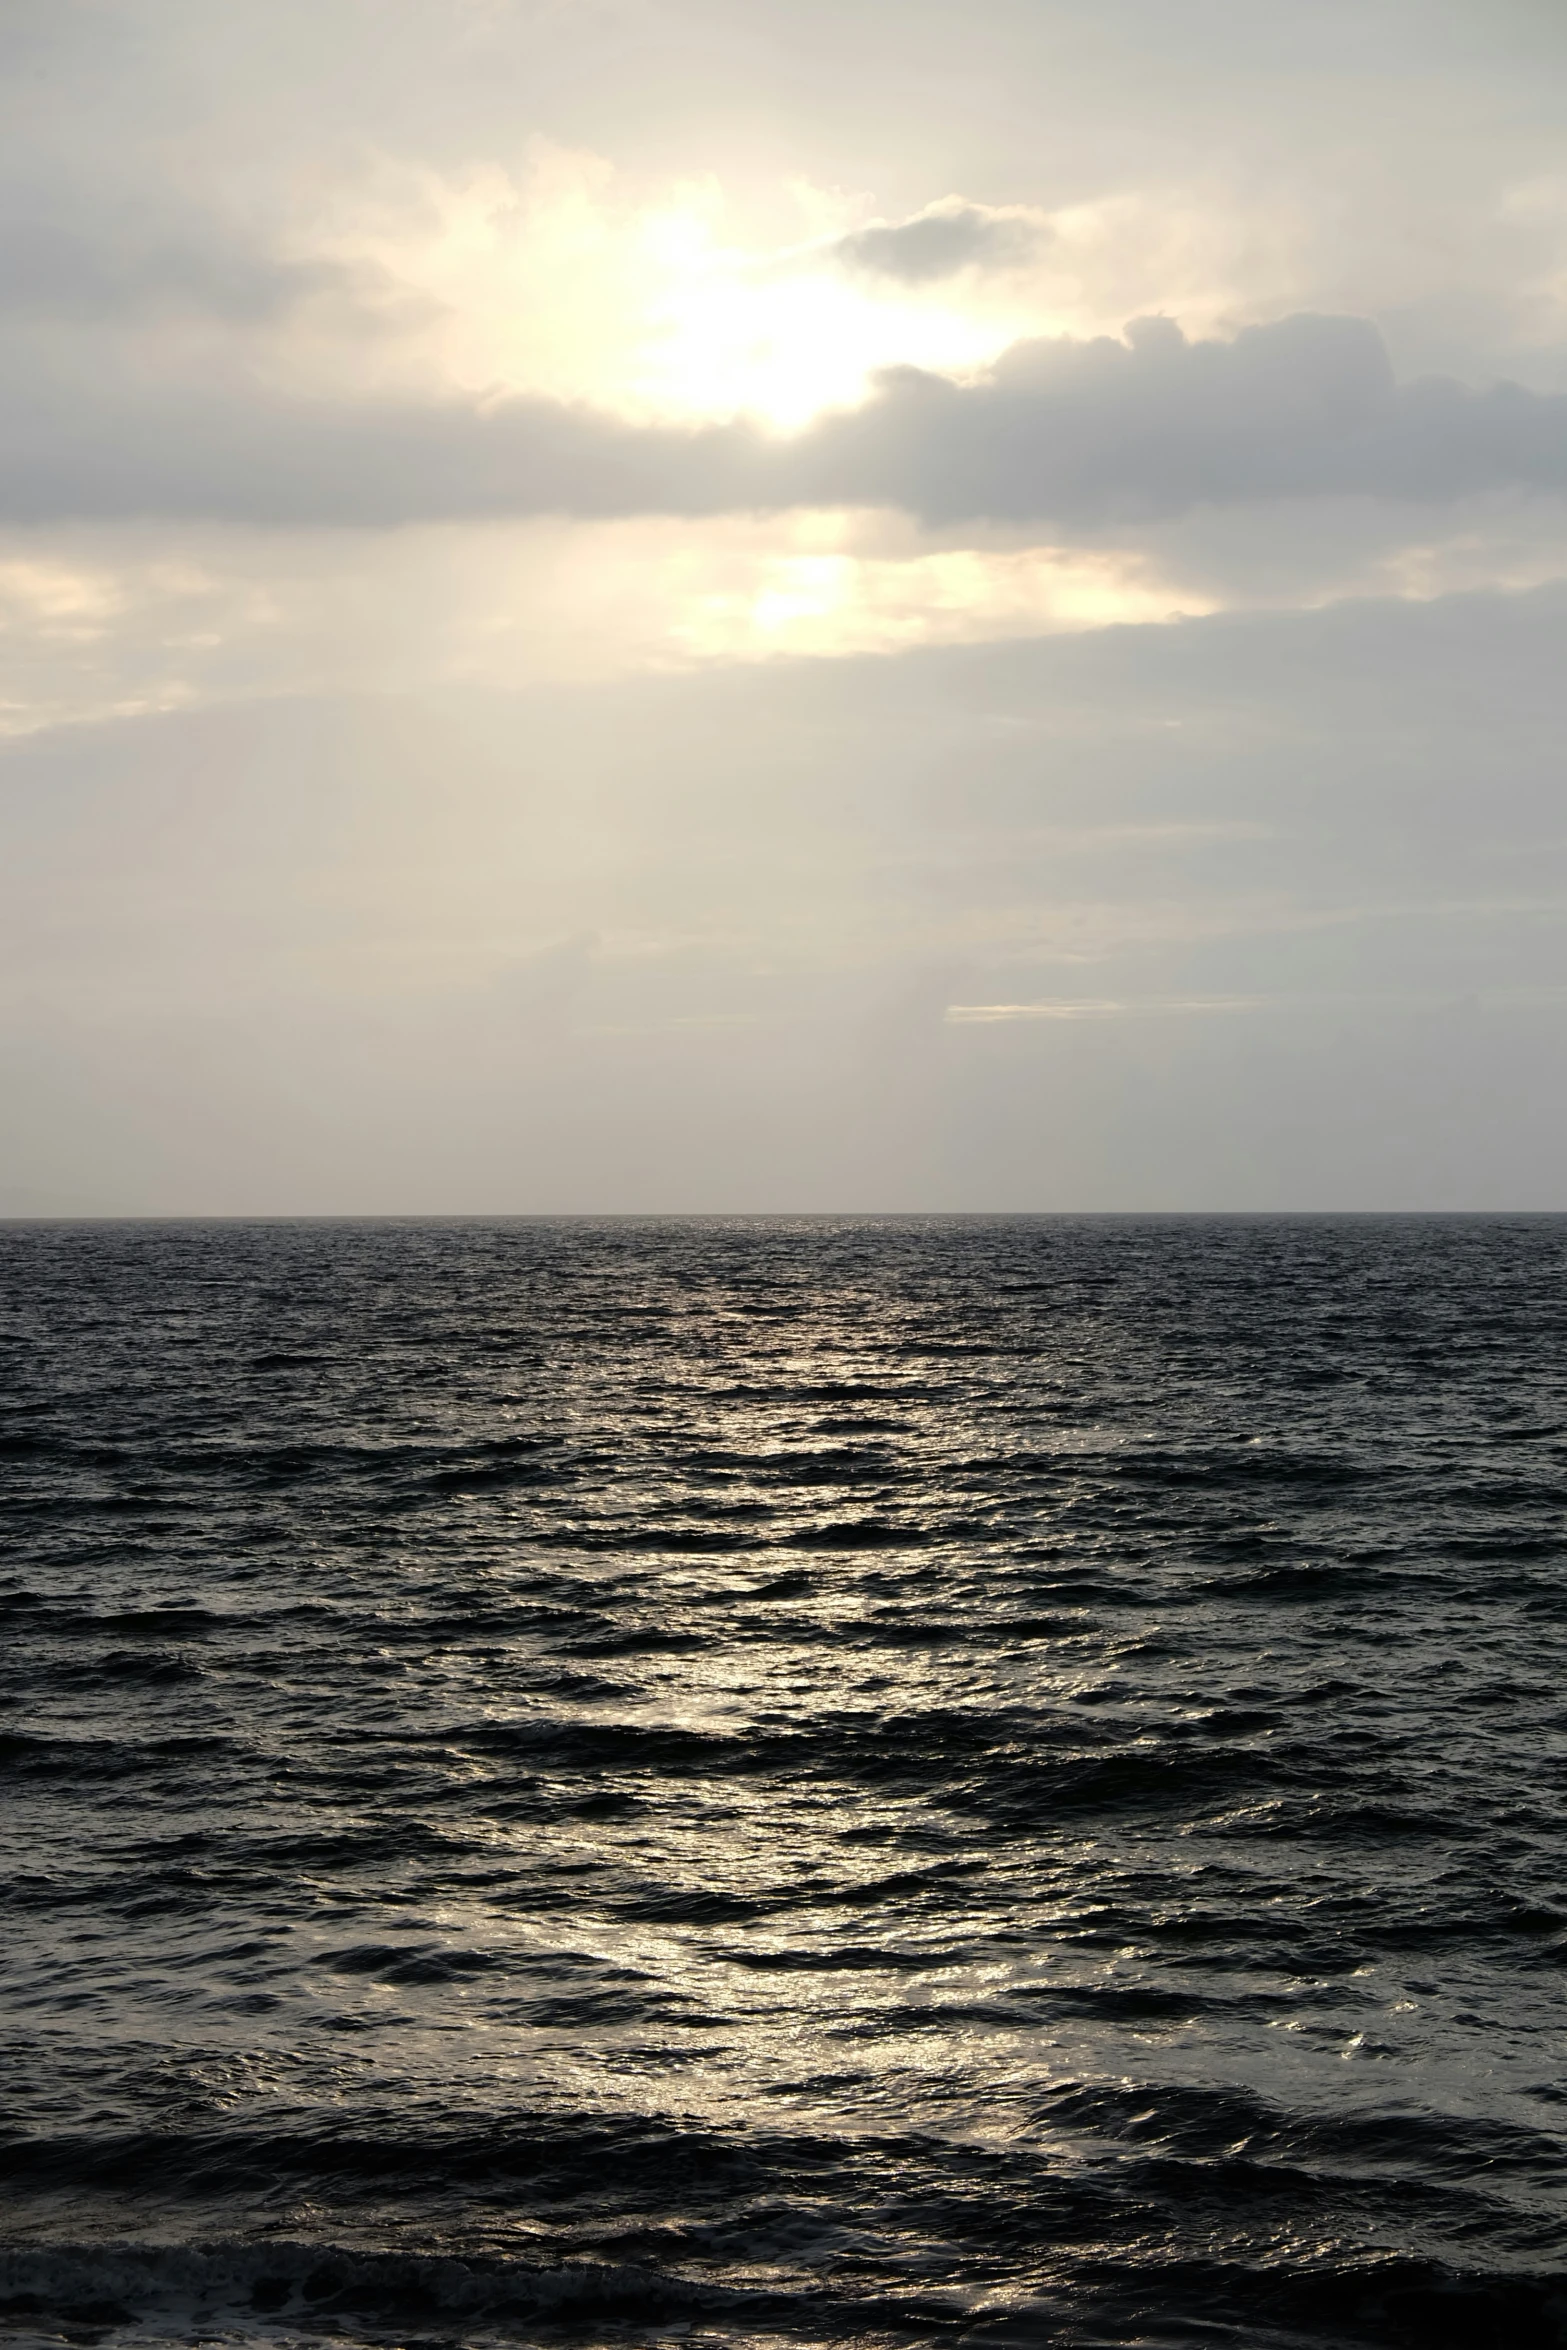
{"points": [[810, 1782]]}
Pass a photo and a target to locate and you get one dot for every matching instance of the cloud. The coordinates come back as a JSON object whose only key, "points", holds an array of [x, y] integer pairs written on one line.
{"points": [[50, 269], [940, 241], [1065, 433], [1153, 426], [74, 452]]}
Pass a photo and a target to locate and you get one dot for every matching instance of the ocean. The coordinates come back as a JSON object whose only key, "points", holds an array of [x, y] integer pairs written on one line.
{"points": [[784, 1782]]}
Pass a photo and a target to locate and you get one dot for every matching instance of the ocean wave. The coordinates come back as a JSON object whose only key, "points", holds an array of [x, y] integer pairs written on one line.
{"points": [[284, 2291]]}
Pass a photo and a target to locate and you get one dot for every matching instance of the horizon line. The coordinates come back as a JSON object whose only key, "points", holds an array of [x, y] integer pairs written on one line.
{"points": [[26, 1218]]}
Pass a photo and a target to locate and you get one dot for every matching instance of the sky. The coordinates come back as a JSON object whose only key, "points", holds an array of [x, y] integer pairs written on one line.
{"points": [[669, 606]]}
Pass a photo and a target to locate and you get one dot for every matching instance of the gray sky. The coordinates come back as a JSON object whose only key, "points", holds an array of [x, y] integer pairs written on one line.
{"points": [[678, 604]]}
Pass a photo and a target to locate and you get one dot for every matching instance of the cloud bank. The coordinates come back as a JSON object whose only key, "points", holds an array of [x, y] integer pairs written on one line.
{"points": [[1063, 433]]}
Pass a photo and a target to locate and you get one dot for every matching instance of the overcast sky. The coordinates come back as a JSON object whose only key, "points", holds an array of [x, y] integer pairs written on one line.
{"points": [[700, 605]]}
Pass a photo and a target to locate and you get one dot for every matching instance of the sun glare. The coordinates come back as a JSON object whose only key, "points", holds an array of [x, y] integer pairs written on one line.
{"points": [[558, 285], [724, 338]]}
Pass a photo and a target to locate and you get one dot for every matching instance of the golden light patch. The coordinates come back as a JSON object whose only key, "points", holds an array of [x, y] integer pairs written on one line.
{"points": [[115, 620], [805, 599]]}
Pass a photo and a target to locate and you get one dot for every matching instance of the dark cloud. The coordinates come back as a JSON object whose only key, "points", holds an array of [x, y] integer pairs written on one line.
{"points": [[938, 243], [1060, 433], [73, 453], [1087, 432], [49, 269]]}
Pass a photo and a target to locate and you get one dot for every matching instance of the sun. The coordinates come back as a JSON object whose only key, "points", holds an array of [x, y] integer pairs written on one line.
{"points": [[558, 286], [724, 335], [786, 350]]}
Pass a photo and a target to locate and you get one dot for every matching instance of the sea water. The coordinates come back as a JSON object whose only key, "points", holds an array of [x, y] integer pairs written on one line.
{"points": [[784, 1781]]}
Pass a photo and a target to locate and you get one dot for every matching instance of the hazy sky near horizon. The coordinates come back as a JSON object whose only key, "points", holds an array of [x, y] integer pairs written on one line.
{"points": [[692, 604]]}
